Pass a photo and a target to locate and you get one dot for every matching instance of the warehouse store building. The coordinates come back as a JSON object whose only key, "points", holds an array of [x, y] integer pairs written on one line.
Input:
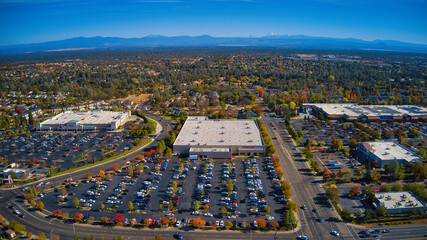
{"points": [[370, 113], [219, 138], [386, 153], [85, 121]]}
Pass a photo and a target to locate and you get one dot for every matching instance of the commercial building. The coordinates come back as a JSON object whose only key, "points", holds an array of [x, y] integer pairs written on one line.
{"points": [[219, 138], [85, 121], [370, 113], [399, 202], [386, 152]]}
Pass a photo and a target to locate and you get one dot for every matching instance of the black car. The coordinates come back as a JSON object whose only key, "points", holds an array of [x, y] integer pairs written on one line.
{"points": [[178, 236]]}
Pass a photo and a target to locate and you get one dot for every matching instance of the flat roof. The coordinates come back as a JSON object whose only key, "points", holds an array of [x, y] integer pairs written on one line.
{"points": [[396, 200], [391, 151], [201, 131], [352, 109], [91, 117]]}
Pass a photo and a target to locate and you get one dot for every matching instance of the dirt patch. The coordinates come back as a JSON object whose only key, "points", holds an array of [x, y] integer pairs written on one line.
{"points": [[136, 99]]}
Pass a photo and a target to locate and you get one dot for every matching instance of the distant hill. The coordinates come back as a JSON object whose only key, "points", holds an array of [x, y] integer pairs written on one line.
{"points": [[156, 41]]}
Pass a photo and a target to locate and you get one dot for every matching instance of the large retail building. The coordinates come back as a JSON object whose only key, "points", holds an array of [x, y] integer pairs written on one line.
{"points": [[85, 121], [219, 138], [369, 113]]}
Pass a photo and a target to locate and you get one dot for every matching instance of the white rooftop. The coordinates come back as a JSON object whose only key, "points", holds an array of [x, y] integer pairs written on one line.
{"points": [[396, 200], [352, 109], [391, 151], [92, 117], [201, 131]]}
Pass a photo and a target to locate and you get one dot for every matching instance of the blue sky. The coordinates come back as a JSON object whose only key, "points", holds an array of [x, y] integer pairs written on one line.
{"points": [[31, 21]]}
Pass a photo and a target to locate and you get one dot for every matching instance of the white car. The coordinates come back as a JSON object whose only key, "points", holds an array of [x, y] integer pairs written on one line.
{"points": [[302, 237], [178, 223], [335, 233], [270, 218], [208, 215]]}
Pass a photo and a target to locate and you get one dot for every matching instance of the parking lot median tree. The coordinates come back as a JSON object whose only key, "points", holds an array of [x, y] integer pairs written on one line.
{"points": [[119, 219], [336, 144], [39, 206], [147, 222], [196, 206], [65, 216], [130, 206], [346, 214], [115, 168], [355, 191], [223, 209], [198, 222], [57, 213], [76, 202], [78, 217], [101, 173], [164, 221], [292, 205], [104, 219], [333, 195], [274, 226], [261, 223]]}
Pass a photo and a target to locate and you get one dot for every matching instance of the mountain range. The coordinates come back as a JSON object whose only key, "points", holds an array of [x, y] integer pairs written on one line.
{"points": [[158, 41]]}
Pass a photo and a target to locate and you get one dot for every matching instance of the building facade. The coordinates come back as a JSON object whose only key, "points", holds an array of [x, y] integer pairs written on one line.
{"points": [[386, 153], [85, 121]]}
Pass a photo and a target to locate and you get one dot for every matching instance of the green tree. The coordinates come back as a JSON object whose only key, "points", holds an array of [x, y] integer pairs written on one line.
{"points": [[381, 211], [385, 188], [15, 226], [336, 144], [333, 195], [375, 175], [346, 214], [397, 187]]}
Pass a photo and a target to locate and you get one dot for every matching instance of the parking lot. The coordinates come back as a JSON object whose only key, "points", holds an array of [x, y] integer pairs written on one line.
{"points": [[239, 191], [61, 149]]}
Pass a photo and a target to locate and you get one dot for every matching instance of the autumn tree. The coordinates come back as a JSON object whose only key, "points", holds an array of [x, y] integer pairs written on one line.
{"points": [[198, 222], [261, 223], [164, 221], [104, 219], [119, 219], [355, 191], [78, 217], [39, 206], [130, 206]]}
